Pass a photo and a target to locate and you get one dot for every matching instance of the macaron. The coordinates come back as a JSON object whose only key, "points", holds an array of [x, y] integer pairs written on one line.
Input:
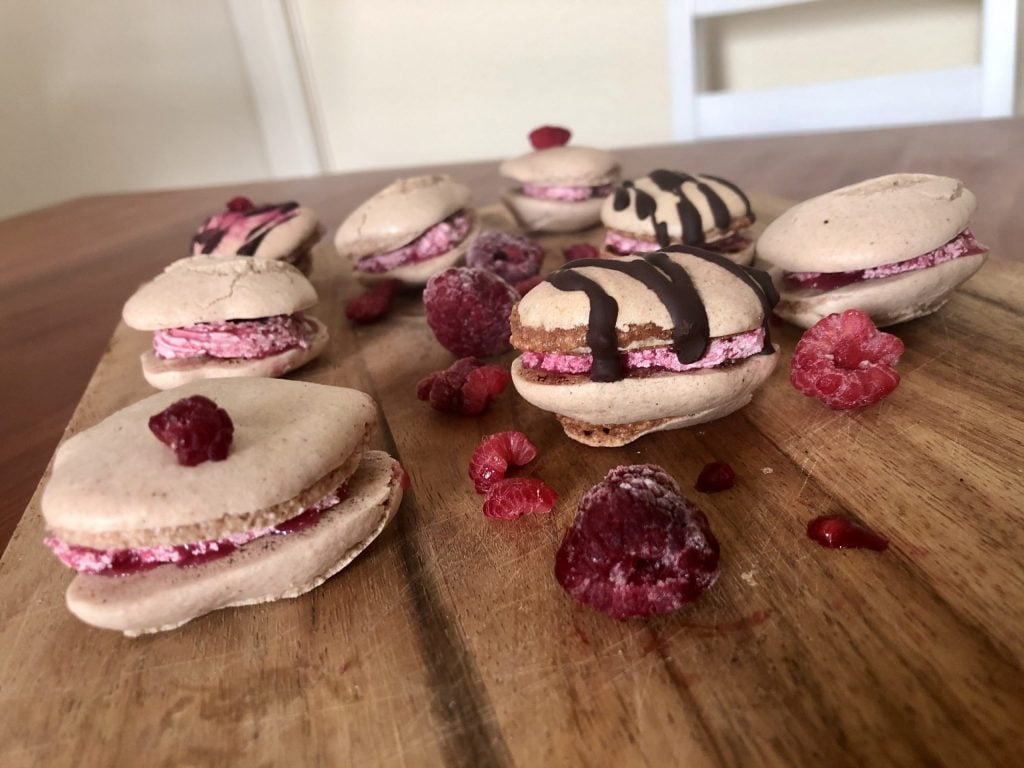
{"points": [[618, 348], [156, 543], [559, 188], [225, 316], [276, 231], [894, 247], [665, 208], [410, 230]]}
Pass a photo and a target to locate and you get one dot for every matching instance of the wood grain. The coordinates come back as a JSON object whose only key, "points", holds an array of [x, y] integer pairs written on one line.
{"points": [[449, 642]]}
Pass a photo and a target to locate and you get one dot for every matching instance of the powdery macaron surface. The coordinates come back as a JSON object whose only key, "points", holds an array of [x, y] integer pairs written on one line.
{"points": [[563, 167], [274, 231]]}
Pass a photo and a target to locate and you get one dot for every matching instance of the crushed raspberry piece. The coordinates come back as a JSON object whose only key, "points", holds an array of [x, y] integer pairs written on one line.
{"points": [[517, 496], [523, 287], [845, 361], [468, 310], [637, 547], [716, 476], [580, 251], [195, 428], [240, 204], [513, 257], [372, 304], [467, 387], [495, 453], [838, 532], [549, 136]]}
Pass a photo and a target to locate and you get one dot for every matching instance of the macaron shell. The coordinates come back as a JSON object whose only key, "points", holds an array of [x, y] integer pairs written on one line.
{"points": [[399, 213], [416, 274], [284, 239], [201, 289], [170, 373], [270, 568], [569, 166], [874, 222], [560, 216], [117, 479]]}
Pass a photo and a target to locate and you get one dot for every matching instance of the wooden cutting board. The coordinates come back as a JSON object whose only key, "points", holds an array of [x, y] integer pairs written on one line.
{"points": [[449, 642]]}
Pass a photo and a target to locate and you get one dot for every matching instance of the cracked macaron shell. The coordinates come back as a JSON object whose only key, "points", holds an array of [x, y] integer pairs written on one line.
{"points": [[202, 289]]}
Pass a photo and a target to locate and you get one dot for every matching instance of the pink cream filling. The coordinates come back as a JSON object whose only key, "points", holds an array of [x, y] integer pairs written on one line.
{"points": [[719, 351], [440, 238], [624, 245], [124, 562], [963, 244], [570, 194], [244, 339]]}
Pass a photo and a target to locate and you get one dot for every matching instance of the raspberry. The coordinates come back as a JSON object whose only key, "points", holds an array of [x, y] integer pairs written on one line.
{"points": [[466, 387], [549, 136], [372, 304], [240, 204], [838, 532], [513, 257], [523, 287], [580, 251], [845, 361], [468, 310], [196, 428], [518, 496], [637, 547], [716, 476], [493, 455]]}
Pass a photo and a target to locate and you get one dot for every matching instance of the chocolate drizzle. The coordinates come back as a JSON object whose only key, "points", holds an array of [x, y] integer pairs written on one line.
{"points": [[266, 217], [672, 284]]}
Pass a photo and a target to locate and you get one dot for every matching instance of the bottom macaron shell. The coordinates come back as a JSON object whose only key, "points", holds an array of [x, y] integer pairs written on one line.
{"points": [[270, 568], [744, 257], [167, 374], [606, 414], [416, 275], [559, 216], [887, 300]]}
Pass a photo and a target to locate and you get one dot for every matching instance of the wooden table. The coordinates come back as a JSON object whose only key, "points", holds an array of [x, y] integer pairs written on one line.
{"points": [[448, 642]]}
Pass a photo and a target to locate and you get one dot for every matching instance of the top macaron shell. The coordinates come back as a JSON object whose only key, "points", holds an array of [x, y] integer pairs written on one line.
{"points": [[563, 167], [879, 221], [117, 477], [399, 213], [283, 240], [203, 289]]}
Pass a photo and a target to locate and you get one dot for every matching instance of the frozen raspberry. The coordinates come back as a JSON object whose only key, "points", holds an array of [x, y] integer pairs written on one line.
{"points": [[637, 547], [466, 387], [716, 476], [196, 428], [495, 453], [372, 304], [549, 136], [513, 257], [518, 496], [468, 311], [845, 362], [240, 204], [523, 287], [580, 251]]}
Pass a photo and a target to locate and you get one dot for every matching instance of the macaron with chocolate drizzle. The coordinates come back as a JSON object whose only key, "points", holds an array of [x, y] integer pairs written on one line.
{"points": [[618, 348], [667, 208]]}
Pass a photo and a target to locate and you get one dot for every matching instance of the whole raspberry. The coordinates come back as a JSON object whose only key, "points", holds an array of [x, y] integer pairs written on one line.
{"points": [[196, 428], [468, 311], [518, 496], [240, 204], [716, 476], [637, 547], [466, 387], [549, 136], [580, 251], [513, 257], [523, 287], [845, 361], [373, 304], [495, 453]]}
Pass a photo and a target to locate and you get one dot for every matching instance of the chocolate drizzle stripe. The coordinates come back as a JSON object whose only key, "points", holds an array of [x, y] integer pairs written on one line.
{"points": [[604, 312], [737, 190]]}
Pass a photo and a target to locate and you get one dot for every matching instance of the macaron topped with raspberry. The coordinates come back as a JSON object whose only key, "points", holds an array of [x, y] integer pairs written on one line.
{"points": [[666, 208], [410, 230], [559, 188], [285, 231], [894, 247], [618, 348]]}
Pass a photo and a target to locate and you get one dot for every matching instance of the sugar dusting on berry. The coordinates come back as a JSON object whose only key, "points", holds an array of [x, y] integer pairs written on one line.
{"points": [[838, 532], [716, 476], [468, 310], [495, 453], [512, 257], [637, 547], [195, 428], [547, 136]]}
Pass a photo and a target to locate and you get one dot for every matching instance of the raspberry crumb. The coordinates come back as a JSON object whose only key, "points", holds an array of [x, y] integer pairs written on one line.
{"points": [[512, 257], [845, 361], [468, 310], [716, 476], [637, 547], [372, 304], [467, 387], [580, 251], [240, 204], [547, 136], [495, 453], [195, 428], [517, 496]]}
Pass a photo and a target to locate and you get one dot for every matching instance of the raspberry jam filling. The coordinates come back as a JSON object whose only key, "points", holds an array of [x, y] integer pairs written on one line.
{"points": [[719, 351], [241, 228], [624, 245], [245, 339], [963, 244], [440, 238], [124, 562], [566, 193]]}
